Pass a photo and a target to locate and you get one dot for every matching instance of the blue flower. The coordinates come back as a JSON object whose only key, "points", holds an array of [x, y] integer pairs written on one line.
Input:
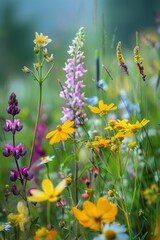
{"points": [[93, 100]]}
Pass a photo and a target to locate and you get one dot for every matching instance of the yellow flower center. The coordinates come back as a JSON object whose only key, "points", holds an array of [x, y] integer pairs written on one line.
{"points": [[59, 128], [110, 234], [103, 112]]}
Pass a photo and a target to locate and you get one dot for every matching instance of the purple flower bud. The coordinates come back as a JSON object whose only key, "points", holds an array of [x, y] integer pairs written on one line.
{"points": [[14, 175], [15, 190], [8, 150], [13, 108]]}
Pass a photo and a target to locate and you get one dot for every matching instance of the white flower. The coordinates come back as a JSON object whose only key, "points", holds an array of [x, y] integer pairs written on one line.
{"points": [[113, 231], [45, 160]]}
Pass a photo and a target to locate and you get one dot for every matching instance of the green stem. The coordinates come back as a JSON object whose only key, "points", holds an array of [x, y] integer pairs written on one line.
{"points": [[48, 213], [36, 124], [47, 166], [125, 209]]}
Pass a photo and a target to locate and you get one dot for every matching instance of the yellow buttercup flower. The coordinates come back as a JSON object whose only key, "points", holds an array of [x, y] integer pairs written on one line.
{"points": [[44, 233], [21, 218], [94, 216], [61, 133], [41, 40], [49, 193], [102, 108]]}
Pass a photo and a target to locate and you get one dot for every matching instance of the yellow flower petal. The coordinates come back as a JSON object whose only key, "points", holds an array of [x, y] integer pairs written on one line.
{"points": [[47, 186], [60, 187], [21, 208]]}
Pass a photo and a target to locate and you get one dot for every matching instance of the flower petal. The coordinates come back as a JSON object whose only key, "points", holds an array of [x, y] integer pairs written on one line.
{"points": [[60, 187], [94, 109], [38, 196], [90, 209], [47, 186]]}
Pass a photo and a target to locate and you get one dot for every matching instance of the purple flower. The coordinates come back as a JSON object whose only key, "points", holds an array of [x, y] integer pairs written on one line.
{"points": [[13, 108], [72, 92], [13, 126], [8, 150], [19, 151], [16, 152], [15, 190], [26, 174], [14, 175]]}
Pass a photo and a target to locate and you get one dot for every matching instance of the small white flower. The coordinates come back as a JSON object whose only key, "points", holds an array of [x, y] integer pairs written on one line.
{"points": [[113, 231], [45, 160]]}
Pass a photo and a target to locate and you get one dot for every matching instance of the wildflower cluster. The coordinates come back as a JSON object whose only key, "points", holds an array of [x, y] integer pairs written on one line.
{"points": [[94, 185]]}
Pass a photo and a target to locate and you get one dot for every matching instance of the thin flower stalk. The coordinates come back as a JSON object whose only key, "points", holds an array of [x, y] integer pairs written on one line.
{"points": [[40, 42]]}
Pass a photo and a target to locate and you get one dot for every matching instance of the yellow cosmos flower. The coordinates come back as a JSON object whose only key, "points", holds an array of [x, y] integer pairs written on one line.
{"points": [[21, 218], [102, 108], [49, 192], [44, 233], [41, 40], [61, 133], [94, 216]]}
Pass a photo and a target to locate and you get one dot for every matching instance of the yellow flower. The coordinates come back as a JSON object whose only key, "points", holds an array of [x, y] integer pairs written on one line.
{"points": [[21, 218], [118, 125], [41, 40], [101, 142], [134, 127], [132, 145], [151, 194], [44, 233], [49, 192], [93, 216], [102, 108], [61, 133], [114, 148]]}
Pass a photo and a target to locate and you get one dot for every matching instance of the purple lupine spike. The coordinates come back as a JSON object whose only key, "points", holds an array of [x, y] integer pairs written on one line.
{"points": [[14, 175], [13, 108]]}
